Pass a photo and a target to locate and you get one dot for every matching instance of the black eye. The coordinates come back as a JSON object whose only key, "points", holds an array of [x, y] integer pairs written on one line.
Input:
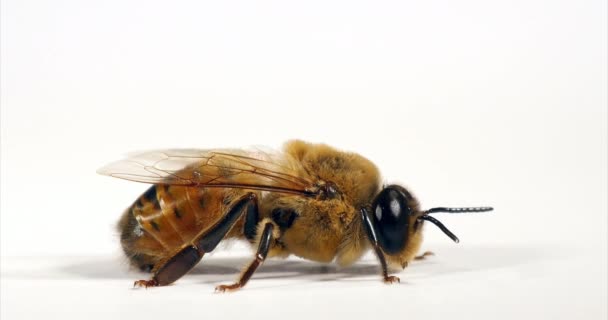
{"points": [[391, 216]]}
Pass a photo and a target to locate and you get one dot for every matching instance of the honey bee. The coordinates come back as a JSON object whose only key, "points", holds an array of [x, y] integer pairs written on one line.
{"points": [[310, 200]]}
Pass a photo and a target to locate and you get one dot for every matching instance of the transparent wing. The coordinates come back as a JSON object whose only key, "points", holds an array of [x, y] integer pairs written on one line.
{"points": [[253, 169]]}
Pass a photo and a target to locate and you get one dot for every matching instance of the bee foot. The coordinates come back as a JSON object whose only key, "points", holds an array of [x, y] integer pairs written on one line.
{"points": [[424, 255], [391, 279], [227, 288], [145, 283]]}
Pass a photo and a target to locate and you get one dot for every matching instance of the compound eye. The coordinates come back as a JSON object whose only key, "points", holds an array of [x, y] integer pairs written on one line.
{"points": [[391, 215]]}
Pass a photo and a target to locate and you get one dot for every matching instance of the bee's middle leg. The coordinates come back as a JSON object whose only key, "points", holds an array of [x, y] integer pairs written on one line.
{"points": [[187, 257], [260, 256]]}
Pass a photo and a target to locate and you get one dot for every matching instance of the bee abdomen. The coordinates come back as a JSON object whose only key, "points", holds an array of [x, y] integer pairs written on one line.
{"points": [[166, 217], [142, 251], [151, 211], [153, 226]]}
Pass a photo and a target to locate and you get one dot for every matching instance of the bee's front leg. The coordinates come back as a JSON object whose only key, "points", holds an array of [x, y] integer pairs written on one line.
{"points": [[387, 279], [371, 235], [424, 255], [260, 256]]}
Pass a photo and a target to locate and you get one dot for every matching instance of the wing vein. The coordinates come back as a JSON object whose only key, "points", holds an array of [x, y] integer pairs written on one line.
{"points": [[215, 168]]}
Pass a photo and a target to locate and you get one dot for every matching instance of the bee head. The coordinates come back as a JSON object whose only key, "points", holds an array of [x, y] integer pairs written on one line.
{"points": [[396, 221]]}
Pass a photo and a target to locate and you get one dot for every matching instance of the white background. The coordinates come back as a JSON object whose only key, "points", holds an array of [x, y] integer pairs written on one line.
{"points": [[466, 103]]}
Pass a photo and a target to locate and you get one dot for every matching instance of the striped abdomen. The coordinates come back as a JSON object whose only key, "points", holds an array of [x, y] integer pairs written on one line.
{"points": [[166, 217]]}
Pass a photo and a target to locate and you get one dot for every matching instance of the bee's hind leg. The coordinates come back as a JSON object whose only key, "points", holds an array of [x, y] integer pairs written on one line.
{"points": [[168, 271], [175, 267], [260, 256]]}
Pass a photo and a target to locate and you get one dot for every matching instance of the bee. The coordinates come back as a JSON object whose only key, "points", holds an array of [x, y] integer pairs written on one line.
{"points": [[309, 200]]}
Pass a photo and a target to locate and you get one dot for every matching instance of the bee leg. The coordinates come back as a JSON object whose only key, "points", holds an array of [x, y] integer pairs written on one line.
{"points": [[371, 235], [424, 255], [186, 258], [260, 256], [387, 279], [173, 268]]}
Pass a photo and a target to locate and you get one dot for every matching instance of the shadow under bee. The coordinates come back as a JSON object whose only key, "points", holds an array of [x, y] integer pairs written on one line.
{"points": [[449, 260]]}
